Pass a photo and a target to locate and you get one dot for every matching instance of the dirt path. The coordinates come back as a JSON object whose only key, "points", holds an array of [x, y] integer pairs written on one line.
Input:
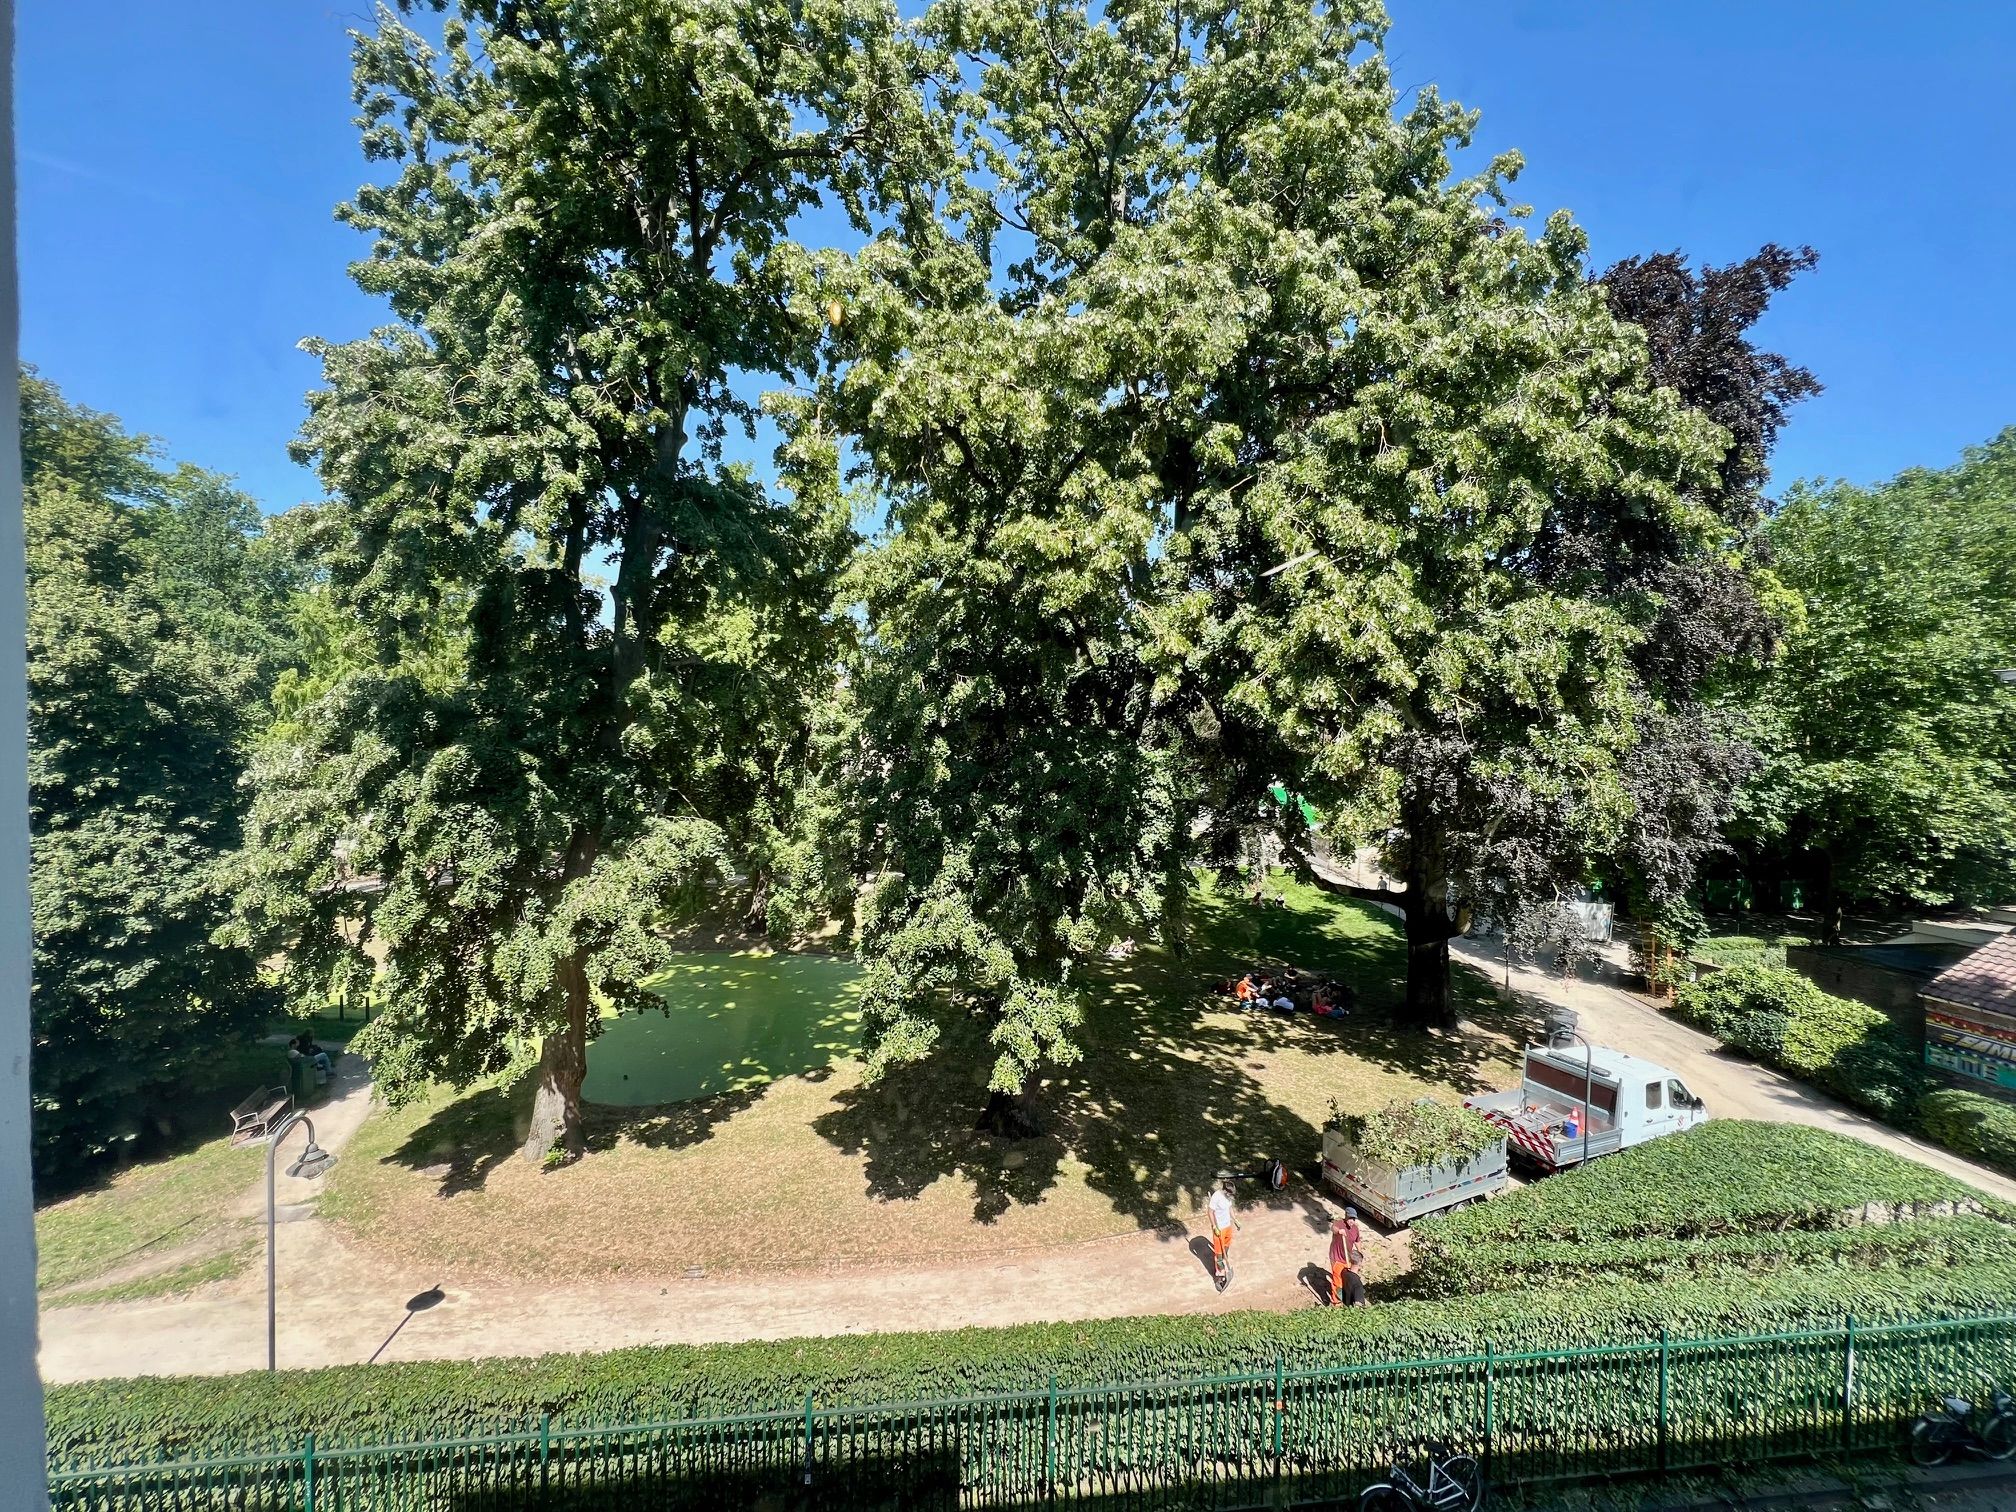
{"points": [[337, 1305], [1733, 1087]]}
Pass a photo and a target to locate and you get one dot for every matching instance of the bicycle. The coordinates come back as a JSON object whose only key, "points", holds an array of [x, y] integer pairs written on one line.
{"points": [[1957, 1426], [1455, 1484]]}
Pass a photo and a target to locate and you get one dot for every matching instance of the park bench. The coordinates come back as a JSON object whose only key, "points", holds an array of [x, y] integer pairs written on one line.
{"points": [[255, 1117]]}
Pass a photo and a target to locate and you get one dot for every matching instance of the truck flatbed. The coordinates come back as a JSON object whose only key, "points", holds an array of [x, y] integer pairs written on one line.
{"points": [[1396, 1196], [1534, 1135], [1614, 1101]]}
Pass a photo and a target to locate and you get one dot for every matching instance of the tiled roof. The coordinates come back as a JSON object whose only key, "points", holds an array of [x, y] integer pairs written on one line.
{"points": [[1986, 979]]}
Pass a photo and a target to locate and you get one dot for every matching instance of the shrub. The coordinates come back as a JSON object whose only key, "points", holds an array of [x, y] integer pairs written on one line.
{"points": [[1971, 1124], [1913, 1244], [1727, 1198], [1749, 1007], [1727, 1176], [1841, 1046], [1419, 1132], [1879, 1072]]}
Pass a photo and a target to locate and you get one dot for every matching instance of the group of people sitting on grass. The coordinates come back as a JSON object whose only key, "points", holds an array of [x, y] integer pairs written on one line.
{"points": [[1288, 991]]}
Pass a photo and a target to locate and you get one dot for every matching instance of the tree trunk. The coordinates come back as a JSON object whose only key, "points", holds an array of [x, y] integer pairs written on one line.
{"points": [[1833, 907], [1424, 906], [563, 1063], [756, 914], [1008, 1115], [1424, 909], [1429, 1003]]}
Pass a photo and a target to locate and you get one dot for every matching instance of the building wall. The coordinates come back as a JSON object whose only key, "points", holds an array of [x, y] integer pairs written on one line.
{"points": [[1971, 1047], [1895, 992]]}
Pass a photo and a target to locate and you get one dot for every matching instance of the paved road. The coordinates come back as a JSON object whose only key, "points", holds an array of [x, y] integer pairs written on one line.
{"points": [[1733, 1087]]}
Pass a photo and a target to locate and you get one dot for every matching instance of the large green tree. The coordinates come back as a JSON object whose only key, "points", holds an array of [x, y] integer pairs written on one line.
{"points": [[156, 622], [1009, 372], [1223, 447], [1889, 741], [534, 531], [1424, 394]]}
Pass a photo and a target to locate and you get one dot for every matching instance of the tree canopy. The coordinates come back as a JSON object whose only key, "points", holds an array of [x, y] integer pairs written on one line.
{"points": [[156, 624], [1888, 742], [583, 236], [1215, 433]]}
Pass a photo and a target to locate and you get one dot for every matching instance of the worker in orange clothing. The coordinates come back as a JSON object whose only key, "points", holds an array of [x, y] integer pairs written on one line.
{"points": [[1346, 1286], [1222, 1224]]}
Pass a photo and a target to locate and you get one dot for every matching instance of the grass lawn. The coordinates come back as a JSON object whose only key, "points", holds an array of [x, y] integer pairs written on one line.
{"points": [[151, 1218], [791, 1162], [732, 1020], [171, 1222]]}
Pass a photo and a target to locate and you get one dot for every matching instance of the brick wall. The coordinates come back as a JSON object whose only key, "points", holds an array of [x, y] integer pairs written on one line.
{"points": [[1894, 992]]}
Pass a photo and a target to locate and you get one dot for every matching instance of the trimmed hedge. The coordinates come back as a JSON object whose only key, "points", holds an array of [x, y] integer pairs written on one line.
{"points": [[1727, 1176], [1913, 1244], [1728, 1198], [1970, 1124], [1843, 1047], [109, 1422]]}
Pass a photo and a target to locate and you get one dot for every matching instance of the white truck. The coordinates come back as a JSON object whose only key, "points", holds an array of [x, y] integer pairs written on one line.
{"points": [[1578, 1102], [1397, 1195]]}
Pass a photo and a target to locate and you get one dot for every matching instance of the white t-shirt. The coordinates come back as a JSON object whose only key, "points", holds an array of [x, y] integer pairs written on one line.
{"points": [[1221, 1209]]}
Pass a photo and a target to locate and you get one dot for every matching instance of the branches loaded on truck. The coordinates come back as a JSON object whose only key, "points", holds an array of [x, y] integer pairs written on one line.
{"points": [[1580, 1101], [1412, 1159]]}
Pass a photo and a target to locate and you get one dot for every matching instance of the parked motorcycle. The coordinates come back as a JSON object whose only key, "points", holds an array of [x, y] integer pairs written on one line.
{"points": [[1957, 1426]]}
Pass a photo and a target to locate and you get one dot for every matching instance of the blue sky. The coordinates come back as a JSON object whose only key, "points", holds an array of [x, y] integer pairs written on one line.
{"points": [[179, 165]]}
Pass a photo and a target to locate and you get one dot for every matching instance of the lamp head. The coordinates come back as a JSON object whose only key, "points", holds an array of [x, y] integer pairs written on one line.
{"points": [[313, 1162]]}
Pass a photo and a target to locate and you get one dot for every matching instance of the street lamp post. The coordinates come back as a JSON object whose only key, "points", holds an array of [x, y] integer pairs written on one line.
{"points": [[313, 1162], [1560, 1026]]}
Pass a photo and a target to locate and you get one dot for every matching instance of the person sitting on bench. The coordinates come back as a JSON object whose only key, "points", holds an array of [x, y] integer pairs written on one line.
{"points": [[304, 1046]]}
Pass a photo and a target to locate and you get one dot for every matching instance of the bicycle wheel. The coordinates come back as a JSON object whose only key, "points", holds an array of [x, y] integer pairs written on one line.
{"points": [[1998, 1436], [1385, 1498], [1464, 1470], [1932, 1442]]}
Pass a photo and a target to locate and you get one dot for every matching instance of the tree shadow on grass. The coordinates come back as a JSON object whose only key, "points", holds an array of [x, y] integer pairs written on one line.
{"points": [[917, 1125], [463, 1143], [1167, 1094], [672, 1126]]}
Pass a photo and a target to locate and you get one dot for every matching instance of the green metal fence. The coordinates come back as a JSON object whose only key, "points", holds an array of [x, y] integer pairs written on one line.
{"points": [[1278, 1437]]}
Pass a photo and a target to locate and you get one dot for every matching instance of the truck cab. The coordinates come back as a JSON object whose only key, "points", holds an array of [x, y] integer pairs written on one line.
{"points": [[1574, 1104]]}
